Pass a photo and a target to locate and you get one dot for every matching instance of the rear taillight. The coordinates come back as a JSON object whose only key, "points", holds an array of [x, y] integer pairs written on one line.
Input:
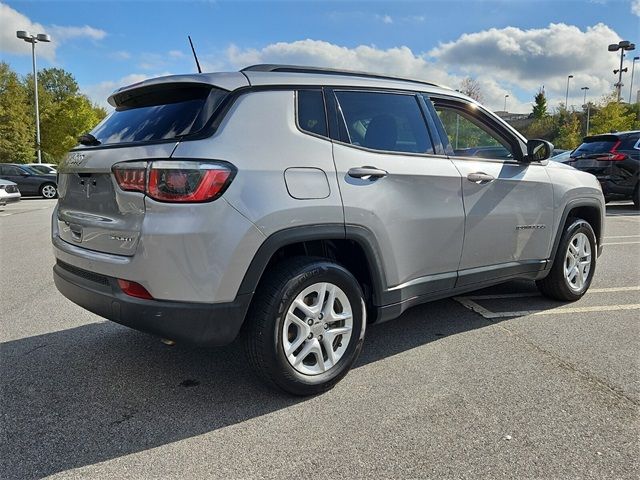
{"points": [[134, 289], [613, 154], [178, 181]]}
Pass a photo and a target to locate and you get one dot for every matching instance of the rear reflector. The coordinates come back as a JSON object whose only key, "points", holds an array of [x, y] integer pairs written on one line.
{"points": [[134, 289], [176, 181]]}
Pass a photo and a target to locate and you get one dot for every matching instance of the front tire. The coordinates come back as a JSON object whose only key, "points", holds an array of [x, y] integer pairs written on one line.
{"points": [[49, 191], [306, 325], [574, 263]]}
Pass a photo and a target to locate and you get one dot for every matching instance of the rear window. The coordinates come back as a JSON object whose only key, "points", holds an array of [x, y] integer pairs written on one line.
{"points": [[594, 146], [162, 113]]}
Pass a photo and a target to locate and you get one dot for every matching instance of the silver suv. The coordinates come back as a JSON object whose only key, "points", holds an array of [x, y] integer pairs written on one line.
{"points": [[294, 206]]}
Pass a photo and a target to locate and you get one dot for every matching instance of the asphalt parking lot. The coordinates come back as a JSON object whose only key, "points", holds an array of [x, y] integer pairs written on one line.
{"points": [[499, 383]]}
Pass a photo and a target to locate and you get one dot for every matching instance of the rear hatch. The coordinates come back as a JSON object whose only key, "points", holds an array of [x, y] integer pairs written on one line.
{"points": [[94, 212], [596, 154]]}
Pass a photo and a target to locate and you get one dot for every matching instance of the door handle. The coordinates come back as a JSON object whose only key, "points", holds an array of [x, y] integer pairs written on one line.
{"points": [[480, 178], [368, 173]]}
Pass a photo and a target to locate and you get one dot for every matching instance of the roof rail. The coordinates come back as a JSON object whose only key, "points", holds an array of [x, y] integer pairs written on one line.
{"points": [[274, 67]]}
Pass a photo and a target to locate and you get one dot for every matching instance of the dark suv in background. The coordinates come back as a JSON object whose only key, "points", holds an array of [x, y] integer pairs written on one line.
{"points": [[613, 158]]}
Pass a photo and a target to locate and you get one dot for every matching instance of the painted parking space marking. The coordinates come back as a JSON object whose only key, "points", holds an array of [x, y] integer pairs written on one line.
{"points": [[622, 236], [619, 243], [470, 303]]}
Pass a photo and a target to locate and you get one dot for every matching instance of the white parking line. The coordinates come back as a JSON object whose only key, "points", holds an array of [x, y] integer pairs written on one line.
{"points": [[622, 236], [619, 243], [474, 307], [469, 303]]}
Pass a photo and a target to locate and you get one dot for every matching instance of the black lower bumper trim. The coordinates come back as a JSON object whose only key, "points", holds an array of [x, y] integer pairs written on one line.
{"points": [[208, 324]]}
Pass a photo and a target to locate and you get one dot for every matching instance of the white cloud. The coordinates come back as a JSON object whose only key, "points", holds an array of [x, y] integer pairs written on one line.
{"points": [[176, 54], [12, 21], [635, 7], [386, 19], [120, 55], [540, 56], [66, 33]]}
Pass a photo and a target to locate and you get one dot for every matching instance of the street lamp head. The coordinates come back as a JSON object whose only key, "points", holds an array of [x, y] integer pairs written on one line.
{"points": [[570, 76], [636, 58], [614, 47], [631, 46], [624, 43], [506, 95], [584, 88], [43, 37], [23, 34]]}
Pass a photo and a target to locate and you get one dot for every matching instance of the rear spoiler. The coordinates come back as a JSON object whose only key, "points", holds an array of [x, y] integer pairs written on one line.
{"points": [[225, 81]]}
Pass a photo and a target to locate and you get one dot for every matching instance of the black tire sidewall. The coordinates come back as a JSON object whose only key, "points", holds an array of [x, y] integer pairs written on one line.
{"points": [[578, 226], [314, 273]]}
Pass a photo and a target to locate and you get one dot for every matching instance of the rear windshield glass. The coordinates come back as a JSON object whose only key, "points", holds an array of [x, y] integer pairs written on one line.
{"points": [[591, 148], [161, 114]]}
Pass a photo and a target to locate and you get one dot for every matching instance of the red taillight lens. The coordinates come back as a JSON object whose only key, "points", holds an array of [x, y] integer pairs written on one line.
{"points": [[187, 181], [179, 181], [131, 176], [613, 155], [134, 289]]}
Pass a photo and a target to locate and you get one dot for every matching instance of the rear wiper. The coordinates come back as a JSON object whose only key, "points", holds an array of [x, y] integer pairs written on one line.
{"points": [[89, 140]]}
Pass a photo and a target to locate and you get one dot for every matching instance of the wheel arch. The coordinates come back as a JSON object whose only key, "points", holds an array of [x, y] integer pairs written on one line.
{"points": [[352, 246], [588, 209]]}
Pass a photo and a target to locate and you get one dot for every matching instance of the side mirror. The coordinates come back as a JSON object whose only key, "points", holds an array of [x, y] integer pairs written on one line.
{"points": [[538, 150]]}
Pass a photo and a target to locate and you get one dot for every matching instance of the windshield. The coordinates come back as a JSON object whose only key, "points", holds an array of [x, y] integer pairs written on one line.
{"points": [[162, 114], [42, 169]]}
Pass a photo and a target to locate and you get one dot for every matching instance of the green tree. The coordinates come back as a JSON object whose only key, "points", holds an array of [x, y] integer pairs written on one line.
{"points": [[544, 127], [613, 116], [569, 132], [65, 113], [17, 130], [540, 104]]}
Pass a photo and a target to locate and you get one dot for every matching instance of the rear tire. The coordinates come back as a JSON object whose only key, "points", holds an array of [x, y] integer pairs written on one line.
{"points": [[49, 190], [298, 341], [574, 263], [636, 198]]}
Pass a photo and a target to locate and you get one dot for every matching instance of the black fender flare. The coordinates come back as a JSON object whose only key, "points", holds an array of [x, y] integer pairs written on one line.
{"points": [[338, 231]]}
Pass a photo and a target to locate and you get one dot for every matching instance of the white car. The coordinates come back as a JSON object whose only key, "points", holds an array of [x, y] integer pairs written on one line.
{"points": [[8, 192], [43, 167]]}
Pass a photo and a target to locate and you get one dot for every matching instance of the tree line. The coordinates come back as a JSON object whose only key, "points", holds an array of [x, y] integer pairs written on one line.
{"points": [[564, 128], [65, 114]]}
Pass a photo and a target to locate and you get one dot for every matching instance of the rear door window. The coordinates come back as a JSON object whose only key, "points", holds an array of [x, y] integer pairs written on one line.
{"points": [[384, 121], [163, 113], [595, 146]]}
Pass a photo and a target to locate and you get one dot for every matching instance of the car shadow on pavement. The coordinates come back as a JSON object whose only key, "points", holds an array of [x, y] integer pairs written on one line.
{"points": [[100, 391]]}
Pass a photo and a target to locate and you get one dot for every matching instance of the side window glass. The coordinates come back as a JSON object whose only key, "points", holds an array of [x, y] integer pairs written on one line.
{"points": [[385, 121], [311, 113], [469, 137]]}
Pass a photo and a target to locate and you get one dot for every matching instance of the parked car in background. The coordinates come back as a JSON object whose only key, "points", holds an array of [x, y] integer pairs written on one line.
{"points": [[9, 192], [30, 182], [562, 157], [614, 158], [43, 167]]}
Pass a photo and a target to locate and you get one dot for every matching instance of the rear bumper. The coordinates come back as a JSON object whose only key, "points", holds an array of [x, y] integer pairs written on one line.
{"points": [[208, 324]]}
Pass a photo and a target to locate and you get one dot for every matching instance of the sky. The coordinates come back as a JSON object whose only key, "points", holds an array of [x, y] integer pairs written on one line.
{"points": [[510, 47]]}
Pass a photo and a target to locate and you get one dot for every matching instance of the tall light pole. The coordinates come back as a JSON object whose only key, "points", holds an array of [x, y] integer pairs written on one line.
{"points": [[566, 96], [33, 39], [505, 102], [633, 67], [588, 107], [623, 45]]}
